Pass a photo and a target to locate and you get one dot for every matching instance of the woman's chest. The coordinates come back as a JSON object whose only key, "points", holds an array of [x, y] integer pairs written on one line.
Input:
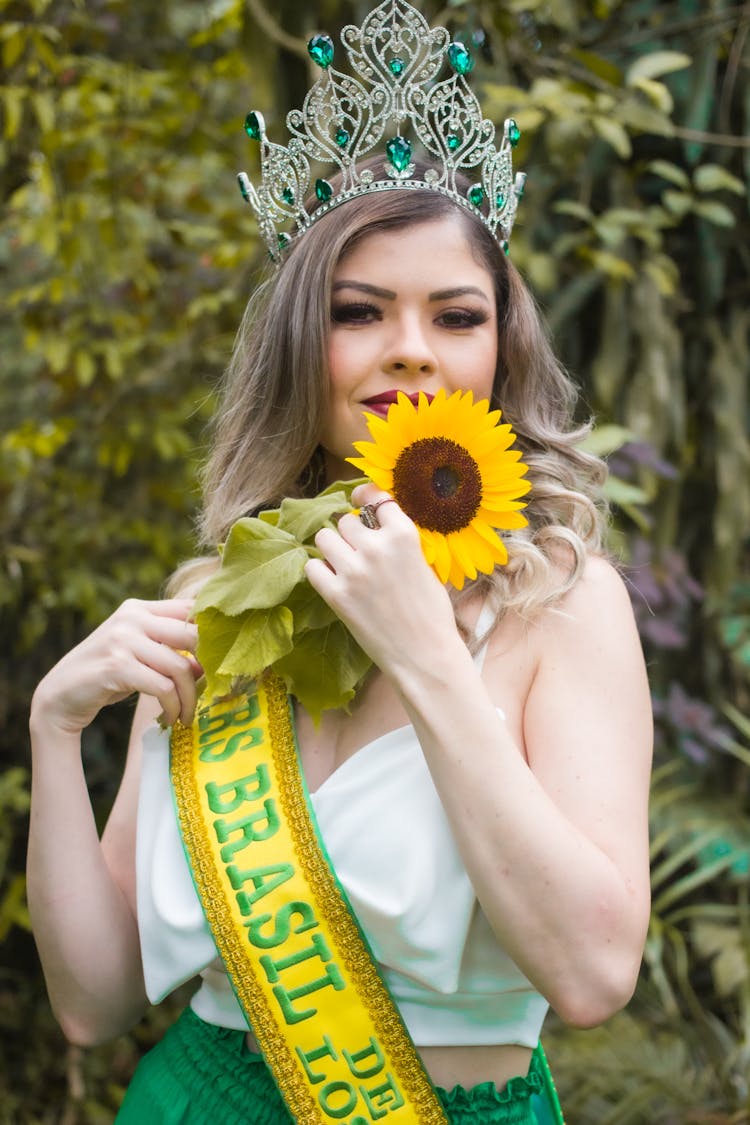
{"points": [[507, 669]]}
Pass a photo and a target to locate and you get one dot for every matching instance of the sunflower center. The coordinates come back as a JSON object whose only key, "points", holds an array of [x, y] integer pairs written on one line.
{"points": [[437, 482]]}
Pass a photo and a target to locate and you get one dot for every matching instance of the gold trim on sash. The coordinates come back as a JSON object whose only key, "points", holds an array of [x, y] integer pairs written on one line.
{"points": [[303, 974]]}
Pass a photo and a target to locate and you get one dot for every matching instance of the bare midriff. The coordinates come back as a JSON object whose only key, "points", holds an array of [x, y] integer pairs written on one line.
{"points": [[466, 1066]]}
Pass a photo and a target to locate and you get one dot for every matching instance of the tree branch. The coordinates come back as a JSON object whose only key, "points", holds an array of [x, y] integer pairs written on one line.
{"points": [[275, 31]]}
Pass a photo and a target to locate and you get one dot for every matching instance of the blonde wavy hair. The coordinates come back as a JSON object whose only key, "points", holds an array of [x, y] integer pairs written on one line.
{"points": [[275, 394]]}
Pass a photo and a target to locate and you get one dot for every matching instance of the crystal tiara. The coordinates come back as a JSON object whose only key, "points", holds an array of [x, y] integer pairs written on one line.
{"points": [[395, 58]]}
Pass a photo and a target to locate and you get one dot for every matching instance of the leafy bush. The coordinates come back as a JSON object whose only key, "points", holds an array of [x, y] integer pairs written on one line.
{"points": [[126, 257]]}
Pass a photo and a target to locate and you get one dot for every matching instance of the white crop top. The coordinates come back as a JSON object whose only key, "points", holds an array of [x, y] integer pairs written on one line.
{"points": [[389, 840]]}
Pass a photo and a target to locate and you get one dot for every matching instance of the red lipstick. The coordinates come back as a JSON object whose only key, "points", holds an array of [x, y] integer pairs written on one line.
{"points": [[379, 404]]}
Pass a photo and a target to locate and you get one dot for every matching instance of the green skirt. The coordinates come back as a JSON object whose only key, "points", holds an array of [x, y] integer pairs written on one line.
{"points": [[201, 1073]]}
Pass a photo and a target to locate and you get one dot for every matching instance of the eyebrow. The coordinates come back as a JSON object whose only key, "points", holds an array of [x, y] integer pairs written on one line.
{"points": [[390, 295]]}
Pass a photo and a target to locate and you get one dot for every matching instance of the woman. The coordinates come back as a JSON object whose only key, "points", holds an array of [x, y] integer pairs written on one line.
{"points": [[483, 801]]}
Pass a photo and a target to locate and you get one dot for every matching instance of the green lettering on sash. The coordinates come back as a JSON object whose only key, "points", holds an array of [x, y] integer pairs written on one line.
{"points": [[210, 724], [333, 1090], [264, 879], [383, 1099], [368, 1062], [326, 1050], [318, 947], [286, 997], [267, 818], [248, 788], [282, 924], [220, 750]]}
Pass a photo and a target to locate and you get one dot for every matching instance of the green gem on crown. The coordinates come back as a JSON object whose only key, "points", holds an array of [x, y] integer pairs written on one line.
{"points": [[320, 50], [500, 201], [287, 195], [514, 133], [323, 190], [452, 141], [460, 59], [342, 138], [475, 195], [398, 151], [283, 240], [244, 183], [252, 126], [396, 67]]}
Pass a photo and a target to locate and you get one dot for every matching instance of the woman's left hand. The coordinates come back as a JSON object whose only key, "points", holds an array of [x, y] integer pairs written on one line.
{"points": [[379, 584]]}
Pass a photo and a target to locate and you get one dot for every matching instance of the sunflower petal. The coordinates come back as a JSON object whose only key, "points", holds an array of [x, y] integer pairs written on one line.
{"points": [[492, 539], [375, 454], [461, 553], [482, 555], [443, 560], [428, 545]]}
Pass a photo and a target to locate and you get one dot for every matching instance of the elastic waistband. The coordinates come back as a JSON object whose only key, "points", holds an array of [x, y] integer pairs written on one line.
{"points": [[200, 1072]]}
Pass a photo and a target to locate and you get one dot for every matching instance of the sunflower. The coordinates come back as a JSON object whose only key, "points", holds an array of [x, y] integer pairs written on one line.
{"points": [[449, 465]]}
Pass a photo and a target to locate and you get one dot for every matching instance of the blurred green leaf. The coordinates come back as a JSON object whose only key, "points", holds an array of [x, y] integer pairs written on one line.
{"points": [[713, 177], [655, 64]]}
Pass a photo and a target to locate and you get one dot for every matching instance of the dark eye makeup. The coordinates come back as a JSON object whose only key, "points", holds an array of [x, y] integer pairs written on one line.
{"points": [[361, 312], [463, 318], [354, 312]]}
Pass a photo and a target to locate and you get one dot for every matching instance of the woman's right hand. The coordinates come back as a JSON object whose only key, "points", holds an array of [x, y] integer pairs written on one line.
{"points": [[144, 647]]}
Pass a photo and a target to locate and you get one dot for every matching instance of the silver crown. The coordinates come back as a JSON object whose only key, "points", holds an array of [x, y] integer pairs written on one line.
{"points": [[395, 58]]}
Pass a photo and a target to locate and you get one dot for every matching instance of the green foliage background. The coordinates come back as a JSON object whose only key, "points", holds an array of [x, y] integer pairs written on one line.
{"points": [[125, 260]]}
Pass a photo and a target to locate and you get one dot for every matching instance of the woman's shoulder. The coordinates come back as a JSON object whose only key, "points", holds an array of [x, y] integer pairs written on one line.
{"points": [[599, 587], [594, 615]]}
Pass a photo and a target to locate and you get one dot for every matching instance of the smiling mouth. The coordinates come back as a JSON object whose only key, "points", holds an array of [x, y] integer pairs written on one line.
{"points": [[379, 404]]}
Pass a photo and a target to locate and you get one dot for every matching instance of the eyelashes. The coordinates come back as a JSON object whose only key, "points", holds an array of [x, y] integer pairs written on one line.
{"points": [[362, 312], [463, 318], [355, 312]]}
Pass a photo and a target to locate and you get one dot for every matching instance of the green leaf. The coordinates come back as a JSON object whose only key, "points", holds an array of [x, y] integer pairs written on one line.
{"points": [[655, 64], [712, 177], [678, 202], [601, 67], [85, 366], [345, 486], [671, 172], [622, 492], [216, 635], [664, 273], [14, 42], [606, 439], [258, 610], [304, 518], [646, 118], [254, 548], [14, 99], [612, 265], [264, 636], [255, 574], [309, 609], [572, 207], [614, 134], [715, 212], [656, 92], [324, 669], [44, 108]]}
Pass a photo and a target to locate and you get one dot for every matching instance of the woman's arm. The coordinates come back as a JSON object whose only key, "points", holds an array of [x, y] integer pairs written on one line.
{"points": [[81, 892], [555, 842]]}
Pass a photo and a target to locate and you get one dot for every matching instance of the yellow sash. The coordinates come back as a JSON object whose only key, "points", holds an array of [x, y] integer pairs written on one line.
{"points": [[298, 962]]}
